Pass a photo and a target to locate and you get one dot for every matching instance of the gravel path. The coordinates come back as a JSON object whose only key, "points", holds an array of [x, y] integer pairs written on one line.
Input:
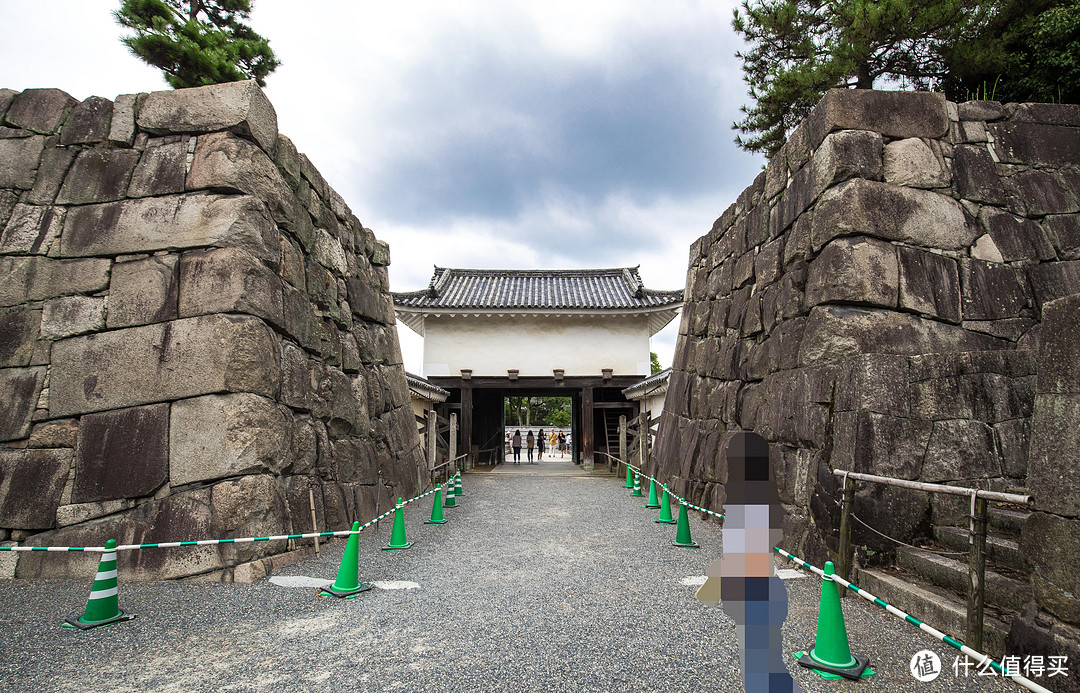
{"points": [[536, 584]]}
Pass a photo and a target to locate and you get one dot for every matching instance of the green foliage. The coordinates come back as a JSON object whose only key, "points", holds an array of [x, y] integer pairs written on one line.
{"points": [[654, 363], [538, 411], [799, 49], [197, 42], [1037, 56]]}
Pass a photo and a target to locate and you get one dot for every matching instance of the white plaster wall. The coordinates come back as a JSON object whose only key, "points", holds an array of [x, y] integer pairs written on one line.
{"points": [[535, 345]]}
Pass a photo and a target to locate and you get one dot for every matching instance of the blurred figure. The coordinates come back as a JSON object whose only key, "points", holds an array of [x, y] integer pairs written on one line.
{"points": [[516, 444], [743, 579]]}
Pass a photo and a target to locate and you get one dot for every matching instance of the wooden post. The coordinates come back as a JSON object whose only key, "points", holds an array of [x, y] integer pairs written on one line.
{"points": [[451, 439], [587, 426], [847, 506], [976, 573], [643, 441], [432, 439], [466, 423], [622, 441], [314, 524]]}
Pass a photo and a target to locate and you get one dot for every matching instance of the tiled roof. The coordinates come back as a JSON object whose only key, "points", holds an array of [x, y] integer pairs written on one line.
{"points": [[595, 289], [657, 382], [426, 387]]}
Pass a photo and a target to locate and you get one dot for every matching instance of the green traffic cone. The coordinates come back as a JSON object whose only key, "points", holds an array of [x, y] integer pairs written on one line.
{"points": [[348, 585], [831, 656], [450, 501], [436, 509], [629, 478], [637, 486], [653, 503], [682, 530], [665, 509], [458, 491], [102, 608], [397, 537]]}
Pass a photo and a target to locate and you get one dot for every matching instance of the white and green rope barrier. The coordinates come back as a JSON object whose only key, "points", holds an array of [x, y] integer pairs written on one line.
{"points": [[680, 499], [980, 658], [212, 542]]}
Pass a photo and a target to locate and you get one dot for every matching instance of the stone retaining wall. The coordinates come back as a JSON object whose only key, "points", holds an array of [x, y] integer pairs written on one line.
{"points": [[873, 302], [194, 330]]}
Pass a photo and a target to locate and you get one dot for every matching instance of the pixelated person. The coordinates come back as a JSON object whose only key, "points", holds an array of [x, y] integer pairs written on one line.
{"points": [[743, 579]]}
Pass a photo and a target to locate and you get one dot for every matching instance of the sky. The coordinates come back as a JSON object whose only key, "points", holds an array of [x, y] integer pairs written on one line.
{"points": [[476, 134]]}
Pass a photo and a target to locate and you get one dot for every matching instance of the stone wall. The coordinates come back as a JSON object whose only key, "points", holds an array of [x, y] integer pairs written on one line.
{"points": [[194, 330], [873, 303]]}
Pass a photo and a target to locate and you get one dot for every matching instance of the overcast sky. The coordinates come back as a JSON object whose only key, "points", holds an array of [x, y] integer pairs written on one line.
{"points": [[473, 133]]}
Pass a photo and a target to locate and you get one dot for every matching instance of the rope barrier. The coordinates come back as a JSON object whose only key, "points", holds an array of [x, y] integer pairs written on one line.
{"points": [[212, 542], [980, 658], [664, 489]]}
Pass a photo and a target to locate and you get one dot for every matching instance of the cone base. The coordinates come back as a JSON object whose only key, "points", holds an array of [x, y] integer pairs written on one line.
{"points": [[859, 670], [635, 494], [666, 522], [434, 522], [652, 506], [402, 547], [329, 591], [87, 625], [691, 545]]}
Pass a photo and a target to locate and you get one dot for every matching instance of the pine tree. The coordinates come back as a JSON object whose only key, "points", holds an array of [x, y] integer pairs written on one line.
{"points": [[799, 49], [197, 42]]}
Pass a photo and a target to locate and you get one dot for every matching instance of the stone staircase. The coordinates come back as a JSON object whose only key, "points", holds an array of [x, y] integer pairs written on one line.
{"points": [[931, 585]]}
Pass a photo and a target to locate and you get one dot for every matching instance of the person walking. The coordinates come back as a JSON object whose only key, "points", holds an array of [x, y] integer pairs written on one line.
{"points": [[562, 444], [530, 441], [541, 441], [516, 444]]}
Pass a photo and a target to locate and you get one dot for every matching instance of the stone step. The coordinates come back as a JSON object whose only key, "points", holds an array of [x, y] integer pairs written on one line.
{"points": [[1007, 521], [1001, 549], [935, 606], [952, 573]]}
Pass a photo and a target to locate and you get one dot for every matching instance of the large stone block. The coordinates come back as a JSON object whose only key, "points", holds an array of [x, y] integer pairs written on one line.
{"points": [[144, 291], [21, 388], [835, 333], [1060, 350], [162, 169], [122, 126], [1036, 143], [32, 230], [72, 315], [40, 110], [1013, 441], [224, 162], [1053, 280], [253, 505], [122, 454], [55, 163], [31, 484], [98, 175], [19, 158], [892, 213], [898, 513], [1064, 233], [895, 114], [991, 291], [875, 383], [960, 450], [239, 107], [1054, 459], [89, 122], [1040, 193], [929, 284], [228, 280], [975, 175], [854, 270], [168, 223], [166, 361], [37, 278], [1016, 238], [18, 333], [219, 436], [1050, 544], [911, 162]]}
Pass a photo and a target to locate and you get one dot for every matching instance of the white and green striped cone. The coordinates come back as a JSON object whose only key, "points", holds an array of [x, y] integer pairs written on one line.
{"points": [[457, 485], [451, 498], [102, 608]]}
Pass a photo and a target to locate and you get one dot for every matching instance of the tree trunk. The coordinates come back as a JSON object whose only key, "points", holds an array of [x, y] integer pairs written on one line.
{"points": [[863, 78]]}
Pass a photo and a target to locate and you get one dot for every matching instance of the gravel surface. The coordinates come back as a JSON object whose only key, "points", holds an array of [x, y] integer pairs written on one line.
{"points": [[535, 584]]}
